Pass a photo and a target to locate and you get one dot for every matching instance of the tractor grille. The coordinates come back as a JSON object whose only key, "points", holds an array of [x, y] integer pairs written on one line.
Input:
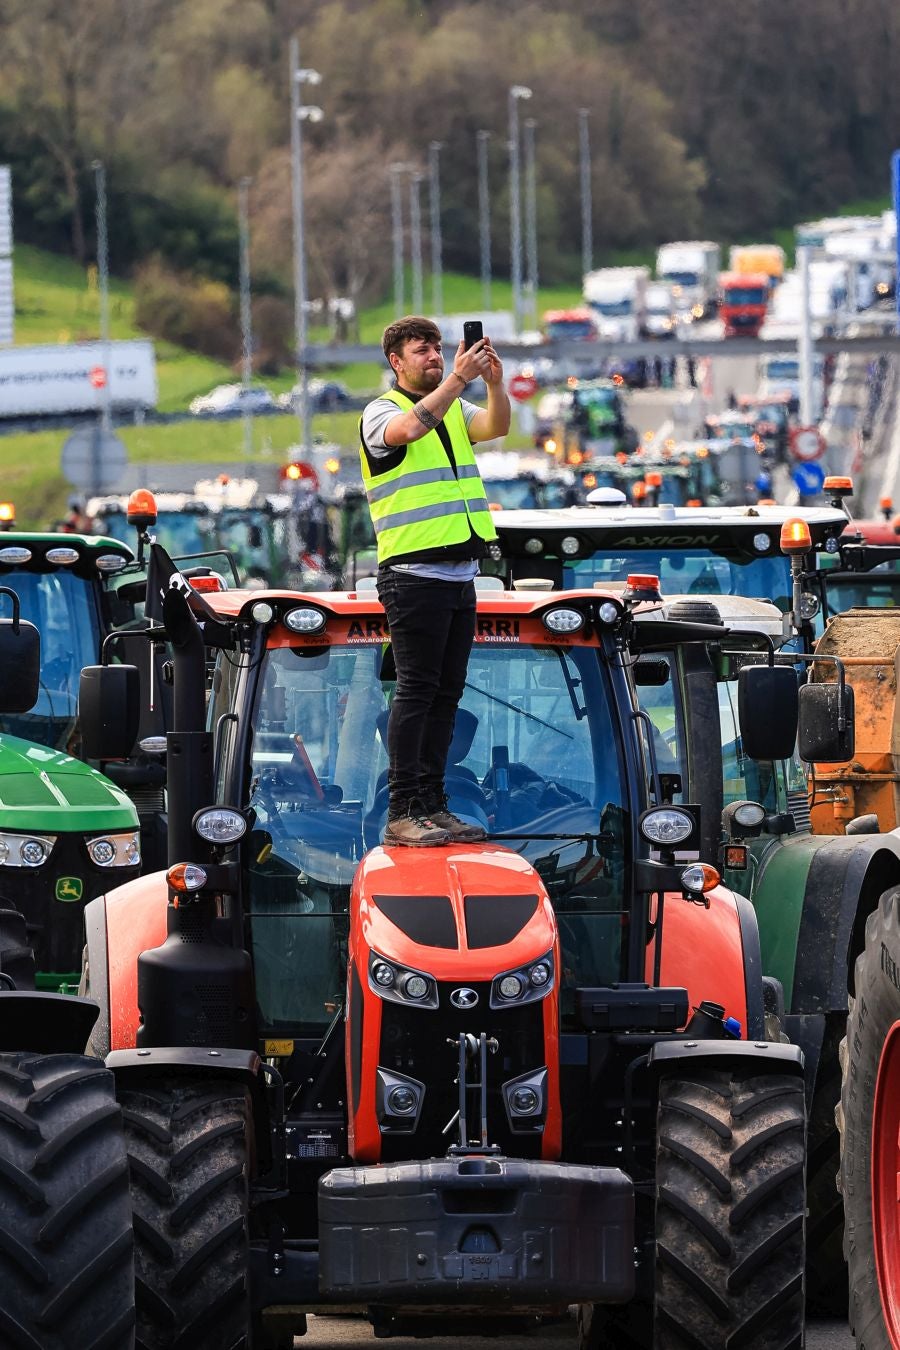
{"points": [[56, 927], [414, 1041], [147, 800], [798, 806]]}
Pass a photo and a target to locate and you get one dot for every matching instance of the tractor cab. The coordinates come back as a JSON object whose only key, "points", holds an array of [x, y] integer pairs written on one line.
{"points": [[695, 551]]}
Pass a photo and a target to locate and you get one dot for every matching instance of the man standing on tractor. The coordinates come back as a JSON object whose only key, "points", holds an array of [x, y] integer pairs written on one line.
{"points": [[432, 524]]}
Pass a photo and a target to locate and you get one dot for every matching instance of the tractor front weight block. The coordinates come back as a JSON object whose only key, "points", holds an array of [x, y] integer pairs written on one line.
{"points": [[476, 1230]]}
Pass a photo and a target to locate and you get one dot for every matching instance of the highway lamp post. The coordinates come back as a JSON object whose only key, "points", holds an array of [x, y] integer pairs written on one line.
{"points": [[484, 218], [531, 248], [102, 430], [804, 341], [517, 91], [103, 285], [299, 115], [397, 169], [587, 228], [434, 206], [246, 322], [415, 239]]}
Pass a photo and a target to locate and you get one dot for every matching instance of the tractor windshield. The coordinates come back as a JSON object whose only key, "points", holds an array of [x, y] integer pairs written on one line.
{"points": [[536, 758], [513, 494], [180, 532], [63, 607], [860, 590], [688, 571], [776, 785]]}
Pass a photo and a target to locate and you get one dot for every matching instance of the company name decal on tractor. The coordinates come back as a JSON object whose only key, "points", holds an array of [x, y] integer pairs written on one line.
{"points": [[373, 630], [650, 540], [69, 888], [368, 630], [497, 630]]}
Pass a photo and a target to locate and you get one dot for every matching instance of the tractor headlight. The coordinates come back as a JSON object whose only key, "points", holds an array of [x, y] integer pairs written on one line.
{"points": [[398, 1101], [666, 826], [110, 562], [25, 850], [562, 619], [525, 984], [400, 984], [102, 851], [220, 825], [525, 1099], [305, 619], [115, 850]]}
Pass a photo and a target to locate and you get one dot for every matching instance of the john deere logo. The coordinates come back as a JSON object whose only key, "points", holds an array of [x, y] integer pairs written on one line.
{"points": [[69, 888]]}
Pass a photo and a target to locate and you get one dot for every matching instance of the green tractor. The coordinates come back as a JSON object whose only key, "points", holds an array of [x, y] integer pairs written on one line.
{"points": [[66, 1238], [67, 832]]}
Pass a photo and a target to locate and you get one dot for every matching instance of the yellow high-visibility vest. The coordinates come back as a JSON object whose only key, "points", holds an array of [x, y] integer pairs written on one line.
{"points": [[421, 503]]}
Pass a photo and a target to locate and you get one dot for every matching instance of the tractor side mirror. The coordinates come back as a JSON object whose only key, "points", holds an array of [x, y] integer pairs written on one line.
{"points": [[827, 733], [20, 665], [768, 708], [109, 709]]}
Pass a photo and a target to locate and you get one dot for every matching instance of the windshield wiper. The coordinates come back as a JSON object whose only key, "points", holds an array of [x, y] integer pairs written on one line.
{"points": [[495, 698]]}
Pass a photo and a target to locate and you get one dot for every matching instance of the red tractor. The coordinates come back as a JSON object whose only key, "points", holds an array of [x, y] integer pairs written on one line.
{"points": [[465, 1089]]}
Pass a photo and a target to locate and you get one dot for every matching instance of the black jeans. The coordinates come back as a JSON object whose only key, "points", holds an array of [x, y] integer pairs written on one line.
{"points": [[432, 627]]}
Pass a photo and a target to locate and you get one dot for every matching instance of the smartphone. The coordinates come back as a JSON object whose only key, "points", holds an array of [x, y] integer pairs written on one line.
{"points": [[472, 332]]}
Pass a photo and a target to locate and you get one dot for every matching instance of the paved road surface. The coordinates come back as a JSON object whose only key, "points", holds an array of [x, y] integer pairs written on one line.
{"points": [[331, 1333]]}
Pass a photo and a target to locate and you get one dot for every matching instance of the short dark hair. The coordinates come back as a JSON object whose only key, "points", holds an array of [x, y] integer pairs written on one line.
{"points": [[402, 330]]}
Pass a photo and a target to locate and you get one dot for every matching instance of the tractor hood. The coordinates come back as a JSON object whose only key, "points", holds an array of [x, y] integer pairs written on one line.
{"points": [[44, 791]]}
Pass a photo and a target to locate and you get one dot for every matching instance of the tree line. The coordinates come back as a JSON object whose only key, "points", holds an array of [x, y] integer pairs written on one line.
{"points": [[716, 119]]}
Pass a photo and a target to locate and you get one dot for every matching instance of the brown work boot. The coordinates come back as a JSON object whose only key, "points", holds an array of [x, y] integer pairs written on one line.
{"points": [[460, 831], [415, 830]]}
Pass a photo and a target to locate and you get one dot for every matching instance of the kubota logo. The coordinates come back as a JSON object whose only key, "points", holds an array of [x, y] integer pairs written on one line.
{"points": [[464, 998], [69, 888]]}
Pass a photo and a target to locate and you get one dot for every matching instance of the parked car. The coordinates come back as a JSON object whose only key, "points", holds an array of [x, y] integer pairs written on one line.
{"points": [[324, 396], [231, 398]]}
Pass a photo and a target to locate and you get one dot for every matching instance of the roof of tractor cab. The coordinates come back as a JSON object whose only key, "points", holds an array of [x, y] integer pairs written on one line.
{"points": [[90, 543], [517, 604], [653, 527], [737, 613], [89, 548]]}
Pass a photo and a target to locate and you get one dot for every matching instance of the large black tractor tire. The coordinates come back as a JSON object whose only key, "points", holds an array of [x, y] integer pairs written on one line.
{"points": [[16, 957], [730, 1217], [826, 1268], [66, 1268], [874, 1009], [189, 1148]]}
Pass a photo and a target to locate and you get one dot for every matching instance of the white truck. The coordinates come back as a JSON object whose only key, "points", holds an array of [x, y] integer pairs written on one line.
{"points": [[692, 268], [618, 298], [73, 377], [659, 319]]}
